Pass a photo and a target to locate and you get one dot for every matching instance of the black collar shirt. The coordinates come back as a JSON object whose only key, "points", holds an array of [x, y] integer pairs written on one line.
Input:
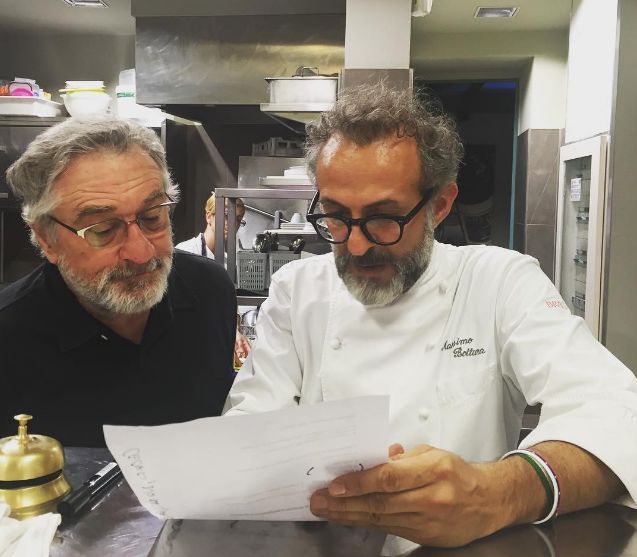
{"points": [[74, 374]]}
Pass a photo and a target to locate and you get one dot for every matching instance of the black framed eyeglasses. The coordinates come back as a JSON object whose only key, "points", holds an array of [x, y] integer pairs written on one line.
{"points": [[381, 229], [113, 232]]}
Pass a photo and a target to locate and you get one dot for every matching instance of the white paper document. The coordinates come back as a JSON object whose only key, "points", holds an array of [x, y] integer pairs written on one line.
{"points": [[250, 467]]}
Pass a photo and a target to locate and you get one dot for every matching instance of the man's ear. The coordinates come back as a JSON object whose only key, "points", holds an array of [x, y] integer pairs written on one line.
{"points": [[210, 218], [48, 247], [443, 202]]}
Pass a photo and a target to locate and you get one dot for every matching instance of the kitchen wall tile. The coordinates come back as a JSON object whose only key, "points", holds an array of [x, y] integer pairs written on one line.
{"points": [[540, 243], [542, 176], [519, 237], [521, 171]]}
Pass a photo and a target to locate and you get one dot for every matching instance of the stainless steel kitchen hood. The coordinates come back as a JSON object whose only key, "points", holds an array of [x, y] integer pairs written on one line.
{"points": [[298, 112], [213, 60]]}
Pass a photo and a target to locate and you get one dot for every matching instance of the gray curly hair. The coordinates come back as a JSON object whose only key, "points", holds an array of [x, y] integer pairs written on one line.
{"points": [[367, 113], [49, 154]]}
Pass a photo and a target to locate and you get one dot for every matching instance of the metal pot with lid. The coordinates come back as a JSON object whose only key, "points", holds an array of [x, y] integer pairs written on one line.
{"points": [[31, 472]]}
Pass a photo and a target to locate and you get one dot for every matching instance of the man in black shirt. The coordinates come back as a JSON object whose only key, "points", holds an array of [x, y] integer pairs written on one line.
{"points": [[113, 328]]}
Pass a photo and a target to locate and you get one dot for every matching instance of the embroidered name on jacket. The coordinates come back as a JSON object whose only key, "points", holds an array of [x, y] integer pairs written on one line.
{"points": [[461, 347]]}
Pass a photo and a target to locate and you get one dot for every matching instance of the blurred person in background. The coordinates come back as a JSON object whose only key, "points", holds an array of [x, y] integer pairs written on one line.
{"points": [[115, 327], [204, 244]]}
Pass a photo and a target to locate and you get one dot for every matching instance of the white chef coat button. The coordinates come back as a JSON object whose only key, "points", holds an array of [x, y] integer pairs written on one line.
{"points": [[423, 414], [442, 288], [336, 343], [429, 346]]}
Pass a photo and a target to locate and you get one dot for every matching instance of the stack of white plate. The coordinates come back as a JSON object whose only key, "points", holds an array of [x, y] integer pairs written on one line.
{"points": [[291, 182], [297, 226], [293, 177], [297, 170]]}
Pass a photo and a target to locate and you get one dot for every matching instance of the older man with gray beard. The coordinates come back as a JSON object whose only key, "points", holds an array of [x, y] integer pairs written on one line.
{"points": [[114, 328], [460, 338]]}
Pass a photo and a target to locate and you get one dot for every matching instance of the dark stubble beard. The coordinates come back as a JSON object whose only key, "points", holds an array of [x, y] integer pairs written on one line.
{"points": [[408, 269], [119, 290]]}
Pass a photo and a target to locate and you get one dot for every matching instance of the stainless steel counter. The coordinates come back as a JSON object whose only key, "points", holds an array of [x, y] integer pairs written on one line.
{"points": [[608, 531], [117, 527], [120, 527]]}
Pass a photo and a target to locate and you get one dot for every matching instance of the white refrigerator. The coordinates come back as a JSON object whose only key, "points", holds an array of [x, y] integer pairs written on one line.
{"points": [[580, 227]]}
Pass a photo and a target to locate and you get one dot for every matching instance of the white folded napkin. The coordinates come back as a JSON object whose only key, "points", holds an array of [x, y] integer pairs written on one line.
{"points": [[26, 538]]}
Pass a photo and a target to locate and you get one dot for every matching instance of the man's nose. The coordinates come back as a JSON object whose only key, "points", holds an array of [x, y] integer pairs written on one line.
{"points": [[358, 243], [136, 247]]}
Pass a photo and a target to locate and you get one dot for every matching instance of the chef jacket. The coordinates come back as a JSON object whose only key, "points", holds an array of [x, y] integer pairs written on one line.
{"points": [[481, 334], [196, 245]]}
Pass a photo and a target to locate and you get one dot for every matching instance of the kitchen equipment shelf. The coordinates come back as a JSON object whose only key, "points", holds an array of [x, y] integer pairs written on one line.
{"points": [[292, 182], [252, 273], [579, 303], [231, 194], [283, 232], [16, 132], [579, 269], [582, 216], [29, 107]]}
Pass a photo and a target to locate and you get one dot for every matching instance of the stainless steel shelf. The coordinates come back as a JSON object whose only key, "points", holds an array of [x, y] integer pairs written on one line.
{"points": [[292, 232], [15, 120], [296, 107], [231, 194], [250, 300], [264, 193], [287, 182]]}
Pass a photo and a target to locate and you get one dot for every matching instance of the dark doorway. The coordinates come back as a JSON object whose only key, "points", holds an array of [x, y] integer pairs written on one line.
{"points": [[485, 112]]}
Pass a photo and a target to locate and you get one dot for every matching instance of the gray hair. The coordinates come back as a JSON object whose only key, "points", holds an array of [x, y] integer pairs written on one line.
{"points": [[367, 113], [49, 154]]}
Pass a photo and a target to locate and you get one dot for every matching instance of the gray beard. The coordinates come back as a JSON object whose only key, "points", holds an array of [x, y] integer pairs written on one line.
{"points": [[117, 290], [408, 269]]}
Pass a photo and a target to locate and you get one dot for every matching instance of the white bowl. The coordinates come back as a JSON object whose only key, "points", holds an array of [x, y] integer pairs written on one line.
{"points": [[86, 104]]}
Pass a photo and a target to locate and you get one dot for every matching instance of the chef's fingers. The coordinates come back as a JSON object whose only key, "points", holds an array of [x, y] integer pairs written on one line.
{"points": [[396, 475], [377, 504], [419, 449], [395, 450]]}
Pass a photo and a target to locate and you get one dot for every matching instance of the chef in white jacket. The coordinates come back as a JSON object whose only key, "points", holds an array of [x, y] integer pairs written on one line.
{"points": [[204, 244], [462, 339]]}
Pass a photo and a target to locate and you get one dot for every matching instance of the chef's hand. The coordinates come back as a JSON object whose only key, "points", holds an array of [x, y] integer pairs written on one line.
{"points": [[241, 348], [428, 496]]}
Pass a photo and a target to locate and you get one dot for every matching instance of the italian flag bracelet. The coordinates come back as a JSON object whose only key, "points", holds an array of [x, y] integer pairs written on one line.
{"points": [[546, 474]]}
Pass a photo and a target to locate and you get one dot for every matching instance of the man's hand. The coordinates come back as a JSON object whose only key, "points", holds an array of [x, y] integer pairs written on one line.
{"points": [[428, 495], [241, 349]]}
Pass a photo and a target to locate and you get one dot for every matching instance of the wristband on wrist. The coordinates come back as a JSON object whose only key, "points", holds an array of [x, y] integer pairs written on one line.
{"points": [[546, 475], [556, 487]]}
